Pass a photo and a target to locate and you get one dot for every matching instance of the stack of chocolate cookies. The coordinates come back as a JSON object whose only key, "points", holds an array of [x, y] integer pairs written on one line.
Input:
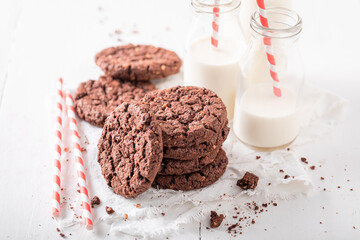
{"points": [[194, 125], [128, 70], [169, 139]]}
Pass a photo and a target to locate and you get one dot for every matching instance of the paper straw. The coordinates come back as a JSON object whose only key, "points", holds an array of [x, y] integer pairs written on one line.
{"points": [[215, 25], [58, 142], [79, 162], [269, 49]]}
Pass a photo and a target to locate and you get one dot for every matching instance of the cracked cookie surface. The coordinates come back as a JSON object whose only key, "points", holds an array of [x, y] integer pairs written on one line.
{"points": [[202, 178], [188, 116], [95, 100], [197, 151], [130, 149], [138, 62]]}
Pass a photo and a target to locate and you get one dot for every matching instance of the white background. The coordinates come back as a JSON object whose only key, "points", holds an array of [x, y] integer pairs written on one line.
{"points": [[41, 40]]}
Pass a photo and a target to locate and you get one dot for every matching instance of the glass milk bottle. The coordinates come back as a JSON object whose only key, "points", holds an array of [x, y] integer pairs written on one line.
{"points": [[215, 67], [262, 119], [248, 7]]}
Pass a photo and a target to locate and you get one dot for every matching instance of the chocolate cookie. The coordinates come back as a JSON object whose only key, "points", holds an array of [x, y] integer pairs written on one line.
{"points": [[181, 166], [130, 149], [94, 100], [138, 62], [206, 176], [188, 116], [197, 151]]}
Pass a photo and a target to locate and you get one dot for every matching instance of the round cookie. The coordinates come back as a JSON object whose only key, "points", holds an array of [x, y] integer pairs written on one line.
{"points": [[202, 178], [138, 62], [197, 151], [130, 149], [188, 116], [94, 100], [181, 166]]}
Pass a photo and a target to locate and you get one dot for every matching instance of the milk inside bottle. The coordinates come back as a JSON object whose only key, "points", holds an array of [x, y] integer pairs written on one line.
{"points": [[262, 119], [215, 68]]}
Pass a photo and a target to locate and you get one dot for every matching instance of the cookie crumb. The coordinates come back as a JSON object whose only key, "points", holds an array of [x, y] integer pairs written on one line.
{"points": [[126, 216], [322, 178], [215, 219], [339, 187], [65, 149], [109, 210], [275, 204], [138, 205], [258, 157], [95, 201], [62, 235], [324, 189], [281, 170], [286, 176], [83, 149], [249, 181], [58, 229], [163, 214], [304, 160], [312, 167], [288, 149], [351, 189]]}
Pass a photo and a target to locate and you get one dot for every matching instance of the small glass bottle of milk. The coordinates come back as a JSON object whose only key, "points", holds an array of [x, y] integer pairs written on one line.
{"points": [[261, 119], [215, 68]]}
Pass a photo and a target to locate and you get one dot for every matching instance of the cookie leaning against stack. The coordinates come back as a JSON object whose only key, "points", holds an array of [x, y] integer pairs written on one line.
{"points": [[128, 70], [181, 113]]}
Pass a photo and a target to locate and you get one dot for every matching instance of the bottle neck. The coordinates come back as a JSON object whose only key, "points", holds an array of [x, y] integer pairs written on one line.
{"points": [[223, 6], [283, 24]]}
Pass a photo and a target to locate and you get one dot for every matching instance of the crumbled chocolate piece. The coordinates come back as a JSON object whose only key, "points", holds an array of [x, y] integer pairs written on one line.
{"points": [[95, 201], [351, 189], [312, 167], [304, 160], [258, 157], [109, 210], [163, 214], [324, 189], [275, 204], [288, 149], [249, 181], [215, 219], [232, 227], [281, 170], [339, 187], [286, 176], [322, 178], [57, 229], [264, 205], [62, 235]]}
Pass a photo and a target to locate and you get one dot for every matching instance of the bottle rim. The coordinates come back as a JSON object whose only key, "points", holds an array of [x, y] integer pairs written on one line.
{"points": [[206, 6], [289, 29]]}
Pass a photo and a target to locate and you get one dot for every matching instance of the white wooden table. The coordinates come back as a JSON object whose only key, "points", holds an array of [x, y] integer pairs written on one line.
{"points": [[41, 40]]}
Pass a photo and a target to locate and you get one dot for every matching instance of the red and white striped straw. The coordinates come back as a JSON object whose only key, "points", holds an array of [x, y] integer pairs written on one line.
{"points": [[215, 25], [79, 162], [58, 142], [269, 49]]}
